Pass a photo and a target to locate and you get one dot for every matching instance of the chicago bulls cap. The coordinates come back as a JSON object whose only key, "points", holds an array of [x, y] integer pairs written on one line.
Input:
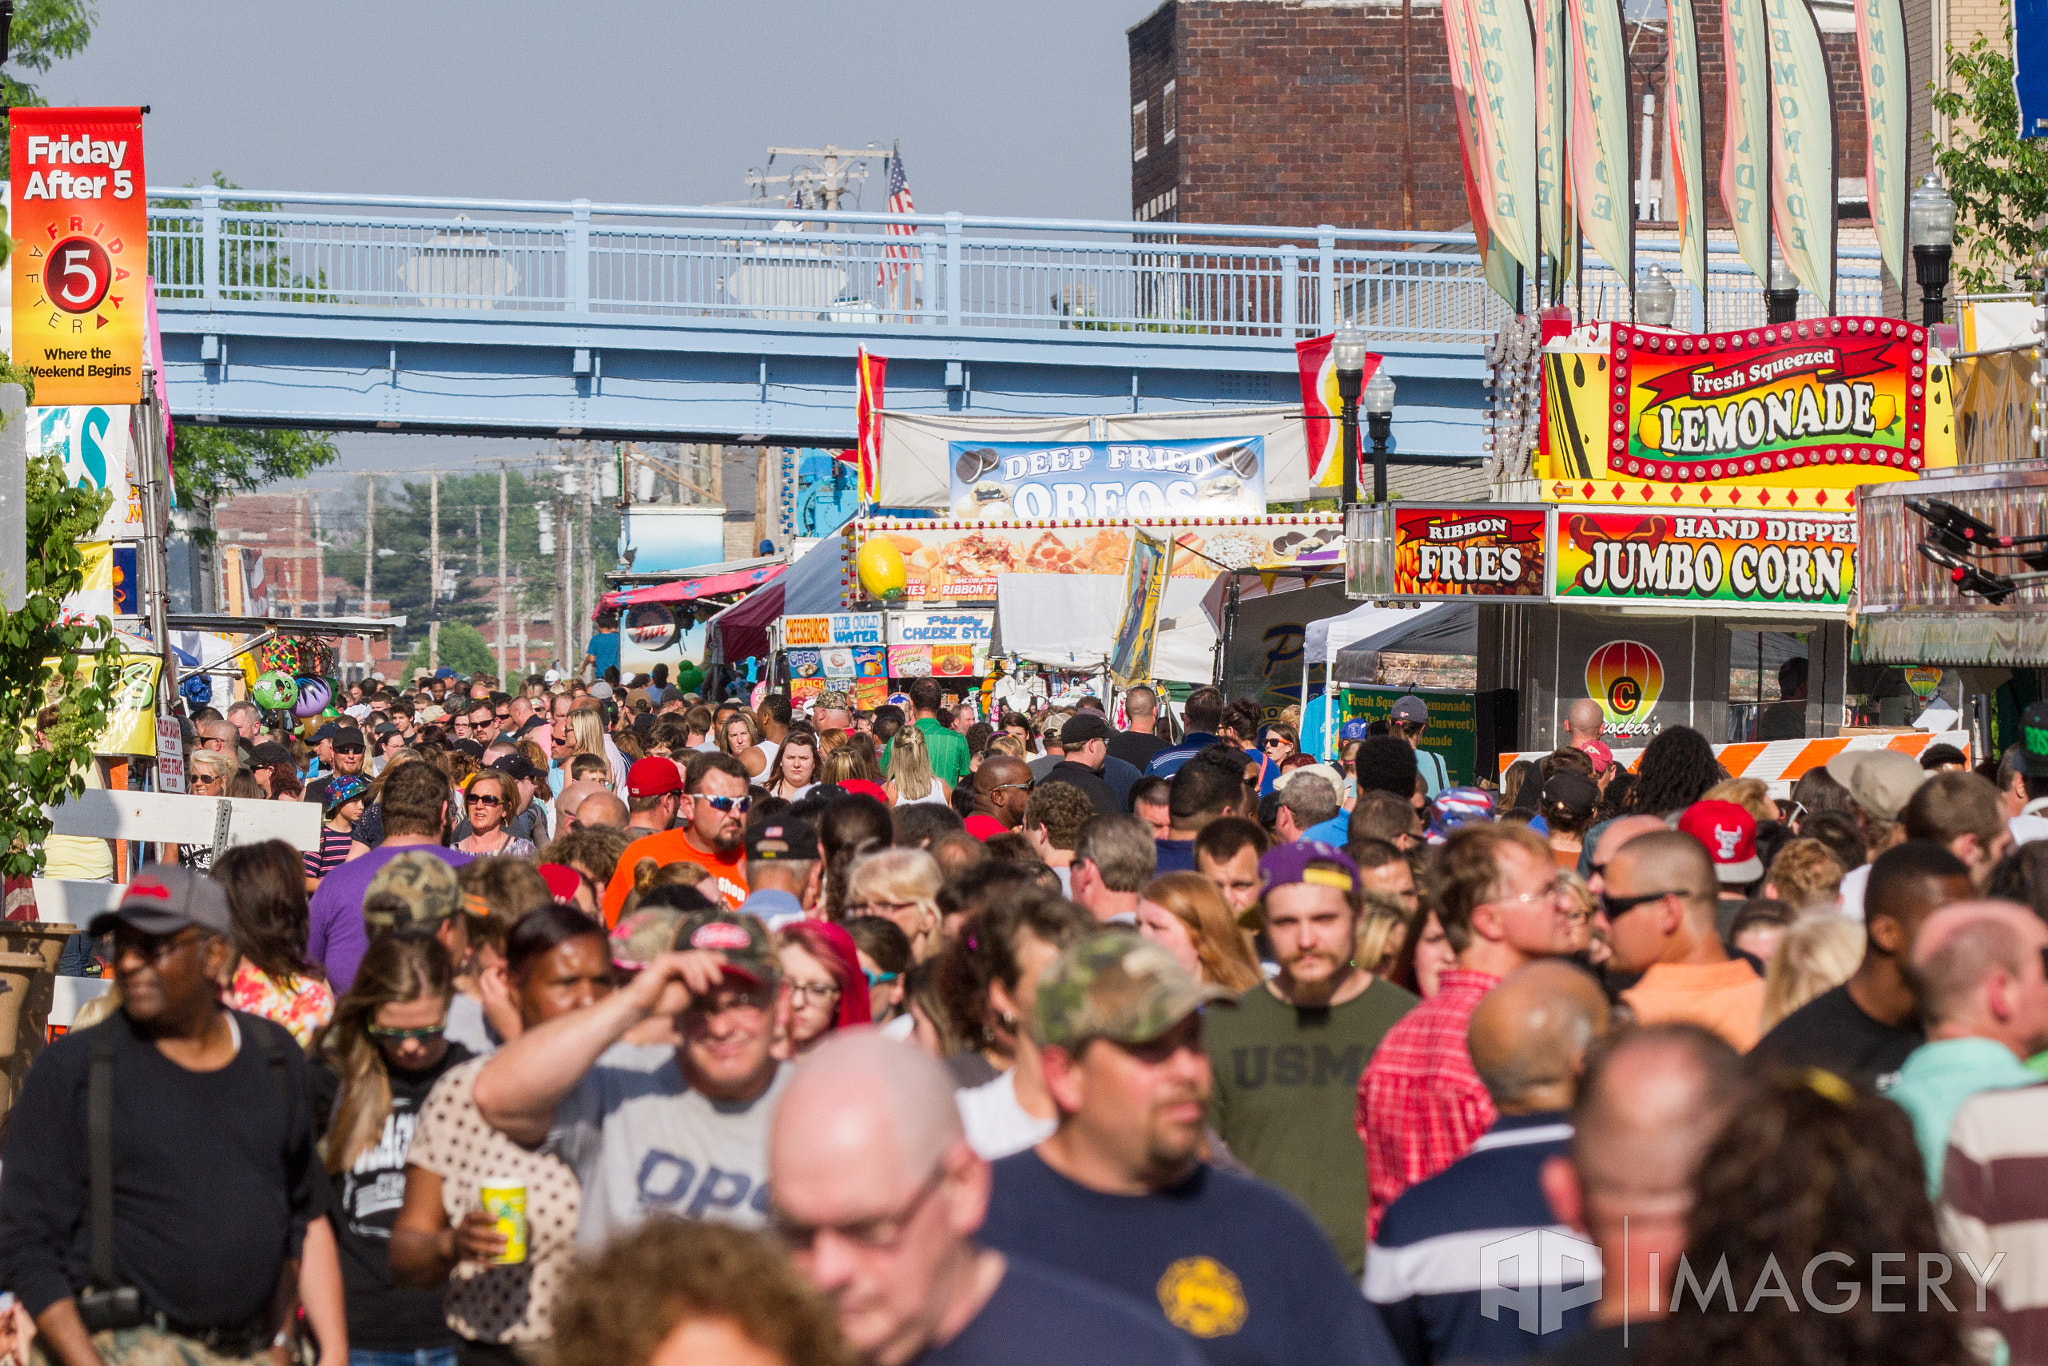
{"points": [[1729, 833]]}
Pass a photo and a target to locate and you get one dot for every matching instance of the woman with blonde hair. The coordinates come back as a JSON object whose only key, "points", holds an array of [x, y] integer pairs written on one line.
{"points": [[1185, 913], [911, 779], [1817, 954], [586, 734], [902, 887], [1748, 793], [847, 761], [740, 737], [1382, 929]]}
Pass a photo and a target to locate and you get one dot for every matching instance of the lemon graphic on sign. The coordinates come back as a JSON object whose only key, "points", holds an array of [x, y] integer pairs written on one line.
{"points": [[1203, 1297], [880, 567]]}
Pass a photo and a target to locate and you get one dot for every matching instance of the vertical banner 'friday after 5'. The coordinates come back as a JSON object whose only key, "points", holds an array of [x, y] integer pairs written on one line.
{"points": [[81, 227]]}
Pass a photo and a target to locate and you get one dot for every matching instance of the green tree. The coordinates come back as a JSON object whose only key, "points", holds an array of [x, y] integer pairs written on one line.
{"points": [[46, 661], [43, 32], [214, 462], [1999, 179], [463, 649]]}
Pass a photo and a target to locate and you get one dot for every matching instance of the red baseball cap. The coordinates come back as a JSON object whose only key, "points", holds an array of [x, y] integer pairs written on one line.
{"points": [[652, 776], [985, 828], [1598, 752], [562, 880], [1729, 833]]}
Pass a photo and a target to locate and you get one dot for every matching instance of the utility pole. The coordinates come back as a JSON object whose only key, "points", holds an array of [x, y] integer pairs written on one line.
{"points": [[504, 643], [299, 556], [434, 568], [476, 567], [587, 603], [319, 564], [825, 183], [370, 547]]}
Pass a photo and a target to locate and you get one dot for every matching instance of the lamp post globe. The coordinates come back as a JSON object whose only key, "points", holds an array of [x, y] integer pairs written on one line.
{"points": [[1931, 228], [1347, 358], [1379, 418], [1656, 298]]}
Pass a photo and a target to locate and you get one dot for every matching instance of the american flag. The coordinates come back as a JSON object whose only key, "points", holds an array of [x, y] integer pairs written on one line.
{"points": [[896, 256]]}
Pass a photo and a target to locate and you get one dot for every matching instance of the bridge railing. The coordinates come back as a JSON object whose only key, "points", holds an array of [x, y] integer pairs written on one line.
{"points": [[211, 249]]}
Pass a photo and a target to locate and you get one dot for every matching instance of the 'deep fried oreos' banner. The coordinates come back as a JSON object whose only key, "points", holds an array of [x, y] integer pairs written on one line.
{"points": [[1790, 561], [1729, 405], [80, 223]]}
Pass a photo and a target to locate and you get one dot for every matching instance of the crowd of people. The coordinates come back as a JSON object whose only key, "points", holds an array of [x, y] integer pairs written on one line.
{"points": [[609, 1026]]}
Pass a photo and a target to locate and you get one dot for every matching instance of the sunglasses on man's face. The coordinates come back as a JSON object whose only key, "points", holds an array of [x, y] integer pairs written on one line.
{"points": [[739, 804], [1615, 907]]}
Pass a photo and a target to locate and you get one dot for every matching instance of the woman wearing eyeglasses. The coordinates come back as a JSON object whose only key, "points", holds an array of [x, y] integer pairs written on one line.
{"points": [[372, 1073], [823, 986], [491, 798]]}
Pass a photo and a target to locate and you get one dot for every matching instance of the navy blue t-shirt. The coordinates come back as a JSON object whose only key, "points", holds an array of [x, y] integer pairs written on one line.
{"points": [[1173, 856], [1232, 1262], [1039, 1315]]}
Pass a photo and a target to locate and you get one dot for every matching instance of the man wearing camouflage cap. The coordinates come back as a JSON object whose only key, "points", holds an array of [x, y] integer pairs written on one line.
{"points": [[1120, 1194], [688, 1137]]}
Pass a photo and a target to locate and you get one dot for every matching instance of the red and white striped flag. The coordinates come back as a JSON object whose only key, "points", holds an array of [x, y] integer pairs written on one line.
{"points": [[896, 256]]}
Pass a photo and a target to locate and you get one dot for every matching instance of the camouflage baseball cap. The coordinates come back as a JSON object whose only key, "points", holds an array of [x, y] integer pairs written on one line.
{"points": [[748, 947], [413, 889], [1117, 986]]}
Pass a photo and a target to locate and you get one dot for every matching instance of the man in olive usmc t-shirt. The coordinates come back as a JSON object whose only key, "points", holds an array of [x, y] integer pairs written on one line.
{"points": [[1288, 1059]]}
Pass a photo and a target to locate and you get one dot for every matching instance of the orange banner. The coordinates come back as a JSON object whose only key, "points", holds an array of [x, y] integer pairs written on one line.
{"points": [[81, 260]]}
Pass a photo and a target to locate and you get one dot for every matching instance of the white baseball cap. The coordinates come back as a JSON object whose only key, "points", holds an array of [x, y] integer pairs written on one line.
{"points": [[552, 676]]}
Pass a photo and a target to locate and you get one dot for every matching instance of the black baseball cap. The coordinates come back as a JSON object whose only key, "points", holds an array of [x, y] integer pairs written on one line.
{"points": [[515, 765], [347, 737], [326, 732], [164, 898], [471, 748], [1084, 726], [782, 839], [271, 754]]}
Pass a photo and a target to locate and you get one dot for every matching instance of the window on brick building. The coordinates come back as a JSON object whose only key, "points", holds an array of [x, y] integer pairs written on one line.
{"points": [[1166, 115], [1138, 148]]}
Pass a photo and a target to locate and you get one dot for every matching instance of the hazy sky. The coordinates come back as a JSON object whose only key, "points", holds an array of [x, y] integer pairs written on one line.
{"points": [[1000, 108]]}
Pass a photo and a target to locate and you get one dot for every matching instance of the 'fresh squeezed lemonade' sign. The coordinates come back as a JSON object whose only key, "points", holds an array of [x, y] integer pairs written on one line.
{"points": [[1730, 405]]}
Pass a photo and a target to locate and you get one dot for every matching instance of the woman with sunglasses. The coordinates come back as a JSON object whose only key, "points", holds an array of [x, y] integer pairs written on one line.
{"points": [[1282, 743], [558, 960], [823, 986], [491, 797], [372, 1074]]}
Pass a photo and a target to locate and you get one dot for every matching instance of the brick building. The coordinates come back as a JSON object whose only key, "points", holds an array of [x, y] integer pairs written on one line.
{"points": [[1300, 112]]}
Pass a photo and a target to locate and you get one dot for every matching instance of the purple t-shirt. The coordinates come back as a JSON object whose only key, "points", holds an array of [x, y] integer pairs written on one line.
{"points": [[339, 939]]}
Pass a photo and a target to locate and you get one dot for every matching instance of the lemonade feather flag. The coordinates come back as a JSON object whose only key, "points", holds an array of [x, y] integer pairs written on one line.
{"points": [[1881, 52], [868, 423], [1599, 130], [1478, 177], [1503, 70], [1802, 148], [1322, 409], [1553, 182], [1684, 122], [1745, 141]]}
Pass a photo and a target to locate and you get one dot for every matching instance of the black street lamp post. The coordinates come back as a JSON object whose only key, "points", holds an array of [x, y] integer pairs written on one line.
{"points": [[1347, 355]]}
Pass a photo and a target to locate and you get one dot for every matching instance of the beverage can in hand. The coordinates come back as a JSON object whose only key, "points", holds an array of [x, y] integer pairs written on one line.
{"points": [[504, 1199]]}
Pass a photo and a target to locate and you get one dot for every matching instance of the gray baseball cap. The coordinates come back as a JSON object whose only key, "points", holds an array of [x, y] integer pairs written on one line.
{"points": [[164, 898]]}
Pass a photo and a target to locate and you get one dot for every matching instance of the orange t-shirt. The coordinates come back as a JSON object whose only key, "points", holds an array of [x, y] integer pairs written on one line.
{"points": [[1727, 998], [728, 875]]}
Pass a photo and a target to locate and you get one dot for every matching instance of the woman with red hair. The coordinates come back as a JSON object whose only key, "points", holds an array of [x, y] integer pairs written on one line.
{"points": [[823, 986]]}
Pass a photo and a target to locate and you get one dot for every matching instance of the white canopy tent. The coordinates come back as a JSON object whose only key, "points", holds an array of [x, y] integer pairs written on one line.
{"points": [[1069, 621], [1359, 635]]}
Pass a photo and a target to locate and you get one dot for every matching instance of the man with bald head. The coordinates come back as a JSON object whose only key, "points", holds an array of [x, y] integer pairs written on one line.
{"points": [[601, 808], [1984, 999], [1864, 1029], [1651, 1103], [1583, 723], [1657, 910], [569, 800], [878, 1197], [1606, 841], [1002, 789], [1427, 1270]]}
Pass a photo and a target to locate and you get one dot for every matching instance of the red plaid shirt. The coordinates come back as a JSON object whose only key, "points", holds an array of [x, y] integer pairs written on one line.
{"points": [[1420, 1103]]}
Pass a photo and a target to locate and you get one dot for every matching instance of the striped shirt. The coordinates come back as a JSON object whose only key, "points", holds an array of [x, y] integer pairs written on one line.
{"points": [[332, 853], [1995, 1203], [1420, 1103], [1482, 1225]]}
